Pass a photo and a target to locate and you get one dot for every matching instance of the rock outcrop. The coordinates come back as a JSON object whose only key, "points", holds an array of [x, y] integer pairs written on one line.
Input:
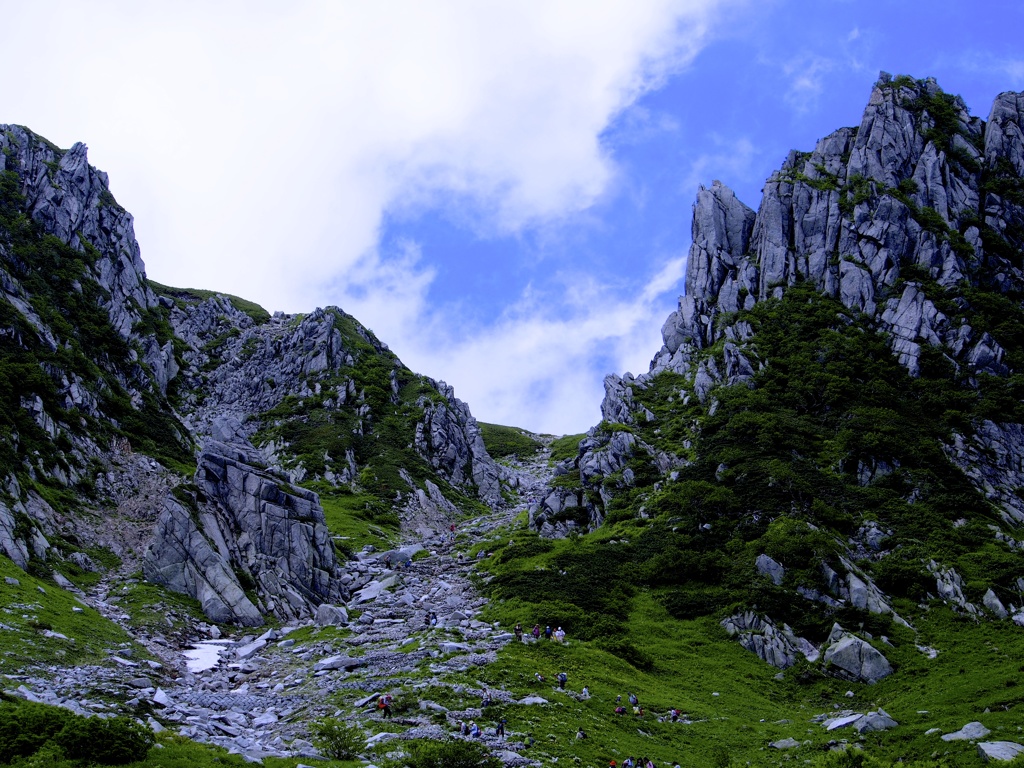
{"points": [[780, 647], [854, 657], [912, 225], [248, 525], [873, 216], [118, 365]]}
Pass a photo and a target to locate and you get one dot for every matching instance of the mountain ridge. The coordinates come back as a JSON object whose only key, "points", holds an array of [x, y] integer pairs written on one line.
{"points": [[823, 464]]}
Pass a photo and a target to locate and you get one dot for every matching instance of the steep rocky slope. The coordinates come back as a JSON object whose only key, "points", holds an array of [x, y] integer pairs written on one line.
{"points": [[245, 419], [834, 419], [824, 463]]}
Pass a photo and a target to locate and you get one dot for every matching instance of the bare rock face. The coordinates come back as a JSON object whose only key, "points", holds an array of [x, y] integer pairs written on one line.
{"points": [[993, 457], [855, 658], [874, 216], [72, 201], [183, 557], [779, 647], [449, 438], [251, 527]]}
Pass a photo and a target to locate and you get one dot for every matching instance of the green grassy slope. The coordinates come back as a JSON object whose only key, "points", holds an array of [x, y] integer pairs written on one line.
{"points": [[504, 441], [33, 615]]}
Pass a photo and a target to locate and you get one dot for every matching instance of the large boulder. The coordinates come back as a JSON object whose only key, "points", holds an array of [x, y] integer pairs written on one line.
{"points": [[857, 659], [780, 647], [999, 750], [246, 524], [970, 732]]}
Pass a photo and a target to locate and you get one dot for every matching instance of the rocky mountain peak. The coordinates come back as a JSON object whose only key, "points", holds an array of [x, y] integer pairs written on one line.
{"points": [[912, 221], [235, 409], [914, 196]]}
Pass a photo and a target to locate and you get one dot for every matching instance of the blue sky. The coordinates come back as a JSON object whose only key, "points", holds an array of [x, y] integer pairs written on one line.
{"points": [[501, 190]]}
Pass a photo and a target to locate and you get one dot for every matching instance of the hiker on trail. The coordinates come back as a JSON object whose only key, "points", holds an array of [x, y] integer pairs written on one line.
{"points": [[433, 619], [560, 635], [633, 699], [463, 728], [500, 730], [562, 680], [613, 764], [387, 560], [649, 763], [628, 763], [519, 632], [384, 705], [675, 715], [638, 711], [536, 632], [529, 740], [585, 693], [620, 711], [486, 700], [618, 699], [547, 632], [474, 730], [581, 734]]}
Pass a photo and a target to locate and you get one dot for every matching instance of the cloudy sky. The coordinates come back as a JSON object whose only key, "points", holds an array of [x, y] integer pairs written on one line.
{"points": [[500, 190]]}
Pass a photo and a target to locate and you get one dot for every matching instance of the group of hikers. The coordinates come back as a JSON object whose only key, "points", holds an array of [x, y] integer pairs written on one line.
{"points": [[558, 635], [473, 730], [631, 762]]}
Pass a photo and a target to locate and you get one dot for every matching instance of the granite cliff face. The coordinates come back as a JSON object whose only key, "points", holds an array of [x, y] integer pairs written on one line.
{"points": [[921, 198], [912, 225], [100, 366]]}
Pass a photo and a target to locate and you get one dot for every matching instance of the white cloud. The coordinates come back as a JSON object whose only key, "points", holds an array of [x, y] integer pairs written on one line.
{"points": [[541, 366], [732, 159], [806, 75], [256, 142], [260, 144], [1012, 68]]}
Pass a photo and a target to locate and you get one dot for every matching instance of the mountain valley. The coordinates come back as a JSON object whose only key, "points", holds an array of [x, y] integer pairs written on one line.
{"points": [[796, 538]]}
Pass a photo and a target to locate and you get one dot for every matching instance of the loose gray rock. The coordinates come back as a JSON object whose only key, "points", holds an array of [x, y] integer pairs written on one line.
{"points": [[770, 568], [969, 732], [330, 615], [999, 750], [857, 659], [787, 743], [875, 721]]}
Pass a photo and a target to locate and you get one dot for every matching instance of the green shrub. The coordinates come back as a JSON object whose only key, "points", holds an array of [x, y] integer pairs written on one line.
{"points": [[503, 441], [448, 754], [566, 447], [337, 739], [117, 741], [627, 651], [27, 728]]}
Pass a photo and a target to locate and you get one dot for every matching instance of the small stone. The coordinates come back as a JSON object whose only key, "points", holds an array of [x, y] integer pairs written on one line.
{"points": [[785, 743]]}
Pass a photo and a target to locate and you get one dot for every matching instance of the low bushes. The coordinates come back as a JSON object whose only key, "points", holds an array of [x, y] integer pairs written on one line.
{"points": [[27, 728]]}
